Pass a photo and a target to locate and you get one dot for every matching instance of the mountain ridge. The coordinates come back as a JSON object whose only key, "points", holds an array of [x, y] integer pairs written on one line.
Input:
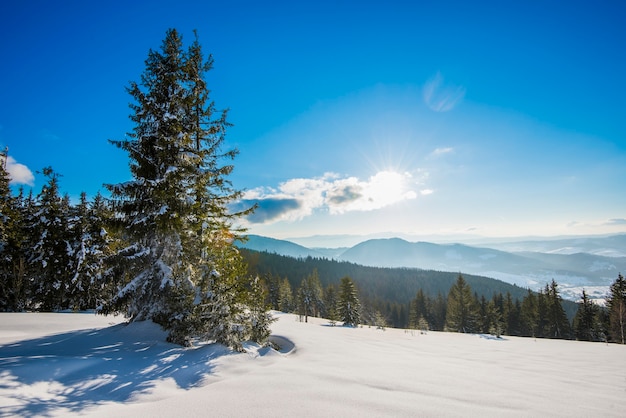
{"points": [[529, 269]]}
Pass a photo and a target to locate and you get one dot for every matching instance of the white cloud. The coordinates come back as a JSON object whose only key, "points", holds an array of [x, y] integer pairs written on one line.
{"points": [[426, 192], [442, 97], [299, 198], [19, 173], [441, 151]]}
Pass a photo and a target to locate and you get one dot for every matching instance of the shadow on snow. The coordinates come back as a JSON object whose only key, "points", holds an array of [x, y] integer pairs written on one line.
{"points": [[80, 369]]}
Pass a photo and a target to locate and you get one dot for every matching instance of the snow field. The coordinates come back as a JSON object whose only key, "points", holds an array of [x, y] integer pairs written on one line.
{"points": [[82, 364]]}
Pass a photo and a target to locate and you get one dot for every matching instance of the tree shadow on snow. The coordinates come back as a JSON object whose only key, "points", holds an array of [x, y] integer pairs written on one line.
{"points": [[80, 369]]}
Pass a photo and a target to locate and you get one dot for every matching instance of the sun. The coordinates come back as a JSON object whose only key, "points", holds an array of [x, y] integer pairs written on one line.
{"points": [[388, 187]]}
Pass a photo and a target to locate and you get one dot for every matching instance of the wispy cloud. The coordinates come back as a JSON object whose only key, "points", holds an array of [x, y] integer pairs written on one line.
{"points": [[616, 221], [441, 151], [298, 198], [442, 97], [19, 173]]}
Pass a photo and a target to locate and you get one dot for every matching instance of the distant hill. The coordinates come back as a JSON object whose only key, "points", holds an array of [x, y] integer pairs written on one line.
{"points": [[271, 245], [384, 285], [590, 269], [526, 269]]}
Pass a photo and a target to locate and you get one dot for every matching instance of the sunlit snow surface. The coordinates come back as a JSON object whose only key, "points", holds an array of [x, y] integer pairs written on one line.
{"points": [[82, 364]]}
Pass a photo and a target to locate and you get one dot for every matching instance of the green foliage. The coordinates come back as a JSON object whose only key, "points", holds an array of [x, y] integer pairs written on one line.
{"points": [[616, 305], [310, 297], [462, 309], [178, 265], [556, 324], [348, 305], [588, 321]]}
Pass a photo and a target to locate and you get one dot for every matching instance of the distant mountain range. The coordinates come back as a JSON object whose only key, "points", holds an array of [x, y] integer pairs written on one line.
{"points": [[592, 263]]}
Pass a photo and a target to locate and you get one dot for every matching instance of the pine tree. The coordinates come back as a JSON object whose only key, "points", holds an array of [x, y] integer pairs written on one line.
{"points": [[529, 315], [348, 306], [51, 253], [462, 310], [331, 301], [419, 310], [179, 266], [309, 295], [9, 236], [616, 305], [272, 284], [286, 303], [438, 313], [587, 321], [90, 249], [557, 323]]}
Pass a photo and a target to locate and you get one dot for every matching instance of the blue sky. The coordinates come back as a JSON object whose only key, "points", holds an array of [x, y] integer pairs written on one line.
{"points": [[424, 118]]}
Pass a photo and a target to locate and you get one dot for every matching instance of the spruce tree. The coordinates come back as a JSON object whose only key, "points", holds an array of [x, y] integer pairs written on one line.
{"points": [[616, 305], [50, 256], [462, 309], [330, 304], [179, 266], [310, 295], [587, 325], [419, 310], [90, 249], [286, 303], [348, 305], [529, 315], [9, 233], [557, 323]]}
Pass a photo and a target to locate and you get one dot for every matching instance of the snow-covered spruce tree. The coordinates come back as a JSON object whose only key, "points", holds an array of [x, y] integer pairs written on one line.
{"points": [[9, 219], [348, 306], [310, 295], [90, 248], [50, 255], [179, 266], [286, 302]]}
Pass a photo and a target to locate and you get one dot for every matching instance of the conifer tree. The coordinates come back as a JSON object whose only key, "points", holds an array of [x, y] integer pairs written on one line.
{"points": [[179, 266], [330, 304], [616, 304], [310, 295], [90, 249], [9, 237], [286, 303], [587, 325], [50, 254], [272, 284], [529, 315], [348, 306], [557, 325], [462, 310], [419, 310], [438, 313]]}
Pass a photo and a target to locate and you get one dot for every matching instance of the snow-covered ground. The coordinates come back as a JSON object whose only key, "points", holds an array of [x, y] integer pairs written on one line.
{"points": [[82, 364]]}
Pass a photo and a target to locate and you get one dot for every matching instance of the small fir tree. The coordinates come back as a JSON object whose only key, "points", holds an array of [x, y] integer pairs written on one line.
{"points": [[309, 295], [348, 305]]}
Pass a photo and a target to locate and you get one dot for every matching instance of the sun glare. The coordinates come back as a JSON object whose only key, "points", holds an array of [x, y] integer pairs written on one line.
{"points": [[388, 187]]}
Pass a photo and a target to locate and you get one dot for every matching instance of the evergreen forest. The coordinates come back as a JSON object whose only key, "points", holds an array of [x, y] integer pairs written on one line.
{"points": [[434, 300]]}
